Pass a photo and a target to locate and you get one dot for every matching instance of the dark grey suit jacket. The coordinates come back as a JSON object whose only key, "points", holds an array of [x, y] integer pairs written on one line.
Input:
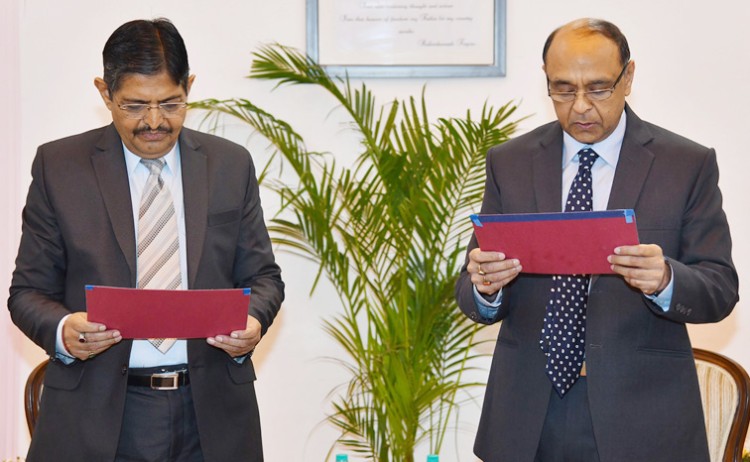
{"points": [[78, 229], [643, 389]]}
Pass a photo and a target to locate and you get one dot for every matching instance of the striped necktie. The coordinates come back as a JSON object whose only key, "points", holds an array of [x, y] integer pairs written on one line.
{"points": [[158, 243]]}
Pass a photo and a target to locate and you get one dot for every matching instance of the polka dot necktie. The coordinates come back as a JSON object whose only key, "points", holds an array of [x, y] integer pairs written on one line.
{"points": [[564, 333]]}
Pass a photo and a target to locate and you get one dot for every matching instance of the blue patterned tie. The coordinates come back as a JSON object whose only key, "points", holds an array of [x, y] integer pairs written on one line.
{"points": [[564, 332]]}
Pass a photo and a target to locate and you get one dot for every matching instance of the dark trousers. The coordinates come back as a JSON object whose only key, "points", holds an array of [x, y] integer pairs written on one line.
{"points": [[568, 434], [159, 426]]}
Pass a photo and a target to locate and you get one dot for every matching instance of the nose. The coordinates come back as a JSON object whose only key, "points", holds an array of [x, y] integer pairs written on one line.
{"points": [[581, 104], [153, 117]]}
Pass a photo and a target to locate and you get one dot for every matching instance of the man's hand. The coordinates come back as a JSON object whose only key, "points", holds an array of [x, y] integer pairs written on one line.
{"points": [[84, 339], [643, 267], [490, 271], [239, 342]]}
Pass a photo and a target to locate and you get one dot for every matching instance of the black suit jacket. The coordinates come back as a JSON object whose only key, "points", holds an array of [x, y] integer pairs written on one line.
{"points": [[643, 390], [78, 229]]}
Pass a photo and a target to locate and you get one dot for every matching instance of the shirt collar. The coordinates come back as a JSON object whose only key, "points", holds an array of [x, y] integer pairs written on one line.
{"points": [[608, 149], [132, 161]]}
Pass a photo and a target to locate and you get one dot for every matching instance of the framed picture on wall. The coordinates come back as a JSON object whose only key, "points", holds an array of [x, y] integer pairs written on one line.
{"points": [[407, 38]]}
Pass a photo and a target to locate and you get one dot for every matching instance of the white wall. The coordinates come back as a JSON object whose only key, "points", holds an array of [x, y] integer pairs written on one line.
{"points": [[693, 62], [11, 340]]}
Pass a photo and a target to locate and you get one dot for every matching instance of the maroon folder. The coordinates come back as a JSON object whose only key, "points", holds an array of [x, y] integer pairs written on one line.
{"points": [[558, 243], [146, 313]]}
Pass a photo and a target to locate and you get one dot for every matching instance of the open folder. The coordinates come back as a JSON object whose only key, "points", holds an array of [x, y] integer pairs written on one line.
{"points": [[147, 313], [558, 243]]}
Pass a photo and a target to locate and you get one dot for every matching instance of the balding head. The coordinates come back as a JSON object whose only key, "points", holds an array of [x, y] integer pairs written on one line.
{"points": [[589, 26]]}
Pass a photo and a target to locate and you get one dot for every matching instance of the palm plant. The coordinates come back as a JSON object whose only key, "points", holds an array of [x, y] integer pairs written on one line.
{"points": [[389, 233]]}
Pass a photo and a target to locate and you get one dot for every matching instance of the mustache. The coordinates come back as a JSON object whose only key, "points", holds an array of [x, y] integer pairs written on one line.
{"points": [[159, 129]]}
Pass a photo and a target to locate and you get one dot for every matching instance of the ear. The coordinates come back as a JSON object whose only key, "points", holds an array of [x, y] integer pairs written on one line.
{"points": [[190, 81], [101, 86], [628, 77]]}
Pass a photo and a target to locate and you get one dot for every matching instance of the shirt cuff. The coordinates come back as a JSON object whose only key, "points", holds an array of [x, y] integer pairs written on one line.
{"points": [[664, 298], [61, 352], [243, 358], [487, 308]]}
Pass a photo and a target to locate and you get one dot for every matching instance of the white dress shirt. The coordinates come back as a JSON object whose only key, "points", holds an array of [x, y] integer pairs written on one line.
{"points": [[144, 354]]}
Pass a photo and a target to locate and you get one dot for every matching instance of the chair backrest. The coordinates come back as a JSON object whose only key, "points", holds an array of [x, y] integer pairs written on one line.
{"points": [[725, 394], [33, 394]]}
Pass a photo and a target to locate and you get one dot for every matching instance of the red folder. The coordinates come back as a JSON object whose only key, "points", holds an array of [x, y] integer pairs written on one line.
{"points": [[146, 313], [558, 243]]}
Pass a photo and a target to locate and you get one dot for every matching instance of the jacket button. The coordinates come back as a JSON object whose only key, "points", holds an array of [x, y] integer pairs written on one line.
{"points": [[124, 370]]}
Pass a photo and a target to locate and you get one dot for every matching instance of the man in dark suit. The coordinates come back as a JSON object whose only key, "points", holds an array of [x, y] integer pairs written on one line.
{"points": [[106, 398], [632, 392]]}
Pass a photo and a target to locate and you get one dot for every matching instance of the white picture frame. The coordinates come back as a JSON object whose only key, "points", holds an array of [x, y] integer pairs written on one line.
{"points": [[407, 38]]}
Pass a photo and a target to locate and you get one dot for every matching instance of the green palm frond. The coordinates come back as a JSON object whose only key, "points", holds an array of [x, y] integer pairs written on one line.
{"points": [[389, 234]]}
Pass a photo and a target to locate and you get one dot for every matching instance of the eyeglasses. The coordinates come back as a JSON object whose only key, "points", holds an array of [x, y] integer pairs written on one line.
{"points": [[592, 95], [139, 111]]}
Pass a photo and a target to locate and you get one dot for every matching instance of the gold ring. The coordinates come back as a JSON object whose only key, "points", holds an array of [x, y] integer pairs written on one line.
{"points": [[485, 282], [479, 270], [91, 355]]}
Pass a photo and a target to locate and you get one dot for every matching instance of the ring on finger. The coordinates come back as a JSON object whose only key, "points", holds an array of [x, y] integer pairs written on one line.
{"points": [[91, 355], [479, 270], [486, 281]]}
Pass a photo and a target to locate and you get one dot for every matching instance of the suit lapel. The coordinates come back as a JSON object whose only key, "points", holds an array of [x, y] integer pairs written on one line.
{"points": [[195, 193], [111, 172], [633, 165], [547, 168]]}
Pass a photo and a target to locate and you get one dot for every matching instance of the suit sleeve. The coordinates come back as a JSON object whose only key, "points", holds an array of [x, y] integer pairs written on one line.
{"points": [[255, 266], [491, 203], [706, 282], [38, 286]]}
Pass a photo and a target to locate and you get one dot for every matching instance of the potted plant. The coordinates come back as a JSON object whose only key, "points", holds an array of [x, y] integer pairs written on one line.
{"points": [[389, 233]]}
